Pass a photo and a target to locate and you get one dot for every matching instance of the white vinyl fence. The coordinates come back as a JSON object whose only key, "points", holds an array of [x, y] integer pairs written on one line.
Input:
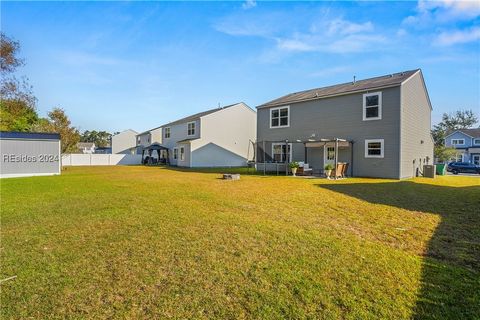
{"points": [[73, 159]]}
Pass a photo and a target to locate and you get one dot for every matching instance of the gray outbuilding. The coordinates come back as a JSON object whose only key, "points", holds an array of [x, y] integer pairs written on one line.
{"points": [[25, 154]]}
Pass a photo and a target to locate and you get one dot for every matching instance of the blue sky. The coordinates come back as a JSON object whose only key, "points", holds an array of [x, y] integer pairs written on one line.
{"points": [[119, 65]]}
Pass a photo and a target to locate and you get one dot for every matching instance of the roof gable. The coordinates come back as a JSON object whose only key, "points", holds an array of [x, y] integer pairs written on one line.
{"points": [[472, 133]]}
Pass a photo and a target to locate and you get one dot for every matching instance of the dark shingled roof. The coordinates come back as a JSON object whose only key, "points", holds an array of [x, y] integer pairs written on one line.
{"points": [[29, 135], [344, 88], [471, 132]]}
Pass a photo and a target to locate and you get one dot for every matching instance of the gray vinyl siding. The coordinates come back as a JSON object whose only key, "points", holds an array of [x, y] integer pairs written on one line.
{"points": [[340, 117], [416, 141]]}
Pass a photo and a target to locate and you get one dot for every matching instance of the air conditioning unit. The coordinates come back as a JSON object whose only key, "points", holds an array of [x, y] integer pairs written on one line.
{"points": [[429, 171]]}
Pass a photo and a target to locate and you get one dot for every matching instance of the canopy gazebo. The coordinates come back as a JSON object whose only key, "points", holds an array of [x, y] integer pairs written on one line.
{"points": [[163, 157]]}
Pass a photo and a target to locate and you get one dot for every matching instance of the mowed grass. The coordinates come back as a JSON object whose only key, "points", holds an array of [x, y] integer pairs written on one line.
{"points": [[149, 242]]}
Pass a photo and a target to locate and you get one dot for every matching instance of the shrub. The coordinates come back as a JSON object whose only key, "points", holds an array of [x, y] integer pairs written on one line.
{"points": [[328, 167]]}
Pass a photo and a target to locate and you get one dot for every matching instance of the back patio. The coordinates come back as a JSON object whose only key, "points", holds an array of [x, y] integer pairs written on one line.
{"points": [[311, 154]]}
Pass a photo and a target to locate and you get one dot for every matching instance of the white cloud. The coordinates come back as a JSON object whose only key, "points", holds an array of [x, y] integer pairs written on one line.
{"points": [[249, 4], [458, 37], [443, 11], [340, 26], [336, 35], [401, 32]]}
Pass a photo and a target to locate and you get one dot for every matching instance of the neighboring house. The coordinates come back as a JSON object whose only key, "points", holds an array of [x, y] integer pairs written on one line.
{"points": [[384, 124], [86, 147], [125, 142], [467, 143], [221, 137], [103, 150]]}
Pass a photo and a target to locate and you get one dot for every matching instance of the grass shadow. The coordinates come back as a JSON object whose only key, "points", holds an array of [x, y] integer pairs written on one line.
{"points": [[450, 284]]}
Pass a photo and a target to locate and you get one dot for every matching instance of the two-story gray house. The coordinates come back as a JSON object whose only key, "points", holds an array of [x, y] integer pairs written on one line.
{"points": [[467, 143], [382, 127], [220, 137]]}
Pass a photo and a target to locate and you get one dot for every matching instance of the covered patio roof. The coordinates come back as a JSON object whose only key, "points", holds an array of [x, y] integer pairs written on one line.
{"points": [[310, 143], [154, 146]]}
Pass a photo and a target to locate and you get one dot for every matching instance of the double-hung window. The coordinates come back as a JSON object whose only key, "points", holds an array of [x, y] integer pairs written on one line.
{"points": [[191, 128], [182, 153], [281, 152], [280, 117], [167, 133], [374, 148], [372, 106], [458, 142], [175, 153]]}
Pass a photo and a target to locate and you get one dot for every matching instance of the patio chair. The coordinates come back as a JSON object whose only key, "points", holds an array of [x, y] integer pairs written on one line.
{"points": [[345, 169], [337, 172], [307, 169], [304, 169]]}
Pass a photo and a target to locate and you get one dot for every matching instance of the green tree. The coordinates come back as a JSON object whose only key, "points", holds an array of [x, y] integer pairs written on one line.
{"points": [[444, 154], [100, 138], [17, 102], [58, 122], [461, 119]]}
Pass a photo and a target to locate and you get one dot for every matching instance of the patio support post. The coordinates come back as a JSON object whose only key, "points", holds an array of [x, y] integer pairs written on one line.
{"points": [[305, 148], [264, 161], [351, 158], [336, 157], [287, 155]]}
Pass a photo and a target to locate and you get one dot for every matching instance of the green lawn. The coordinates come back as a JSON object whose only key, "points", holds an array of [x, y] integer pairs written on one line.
{"points": [[149, 242]]}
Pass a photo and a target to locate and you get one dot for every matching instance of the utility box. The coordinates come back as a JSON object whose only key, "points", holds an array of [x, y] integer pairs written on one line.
{"points": [[429, 171]]}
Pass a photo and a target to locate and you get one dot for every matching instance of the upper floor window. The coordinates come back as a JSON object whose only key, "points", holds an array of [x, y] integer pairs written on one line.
{"points": [[476, 141], [458, 142], [372, 106], [281, 152], [167, 133], [138, 140], [191, 128], [374, 148], [280, 117]]}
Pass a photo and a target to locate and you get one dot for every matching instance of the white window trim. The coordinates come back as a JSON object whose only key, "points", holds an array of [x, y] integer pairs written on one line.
{"points": [[182, 154], [379, 94], [382, 149], [279, 108], [175, 154], [476, 141], [169, 133], [474, 156], [457, 144], [282, 144], [194, 128]]}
